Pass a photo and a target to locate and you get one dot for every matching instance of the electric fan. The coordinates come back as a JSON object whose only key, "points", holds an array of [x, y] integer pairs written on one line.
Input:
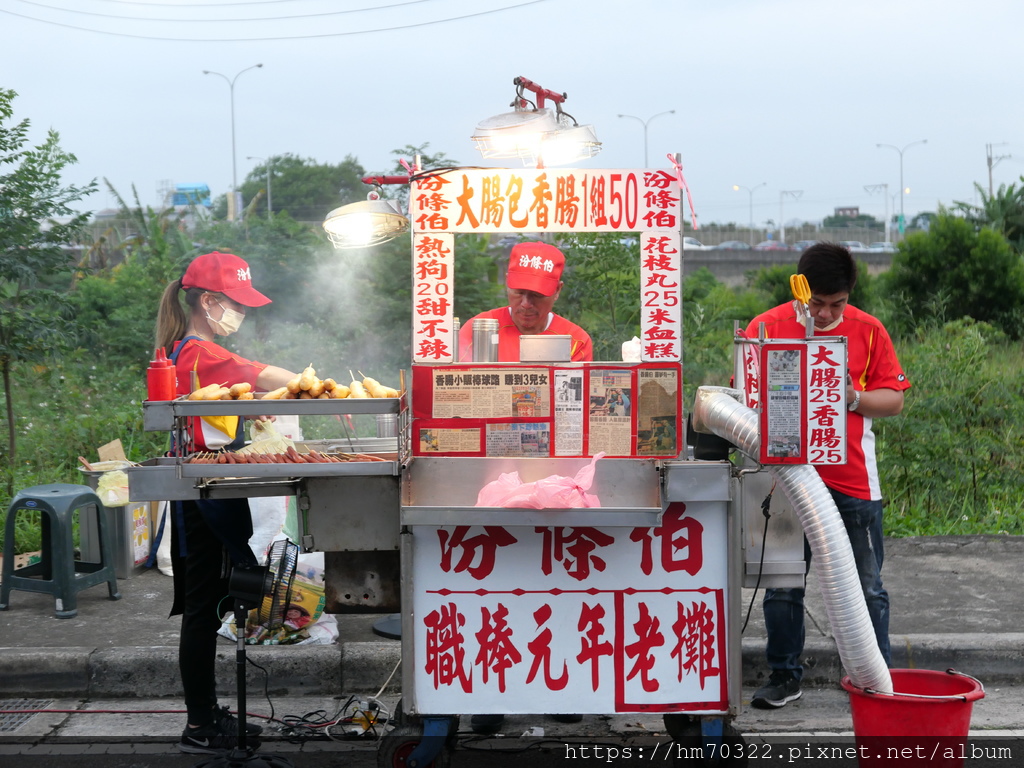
{"points": [[267, 590]]}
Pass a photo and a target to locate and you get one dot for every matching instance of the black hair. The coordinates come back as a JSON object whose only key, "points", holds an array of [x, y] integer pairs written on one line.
{"points": [[829, 268]]}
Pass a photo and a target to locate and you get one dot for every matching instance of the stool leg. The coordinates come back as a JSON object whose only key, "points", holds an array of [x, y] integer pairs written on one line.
{"points": [[8, 569], [62, 569], [108, 548]]}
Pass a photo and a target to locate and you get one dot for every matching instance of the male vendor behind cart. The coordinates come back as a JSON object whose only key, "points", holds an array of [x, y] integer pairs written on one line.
{"points": [[533, 283]]}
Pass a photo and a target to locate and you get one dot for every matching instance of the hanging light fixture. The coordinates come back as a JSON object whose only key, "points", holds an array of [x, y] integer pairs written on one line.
{"points": [[535, 134], [369, 222]]}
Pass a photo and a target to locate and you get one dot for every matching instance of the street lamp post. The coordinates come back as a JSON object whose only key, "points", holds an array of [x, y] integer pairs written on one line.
{"points": [[750, 191], [795, 194], [903, 190], [270, 163], [871, 189], [234, 163], [644, 123]]}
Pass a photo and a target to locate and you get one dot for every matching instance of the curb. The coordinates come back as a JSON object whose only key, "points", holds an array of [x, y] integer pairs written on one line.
{"points": [[993, 658], [152, 671]]}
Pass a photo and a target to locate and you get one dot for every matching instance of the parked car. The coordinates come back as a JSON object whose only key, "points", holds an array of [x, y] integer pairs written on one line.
{"points": [[693, 244], [733, 245], [882, 246], [803, 245], [772, 245], [855, 246]]}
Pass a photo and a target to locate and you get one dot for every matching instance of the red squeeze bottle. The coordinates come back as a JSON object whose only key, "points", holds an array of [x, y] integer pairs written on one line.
{"points": [[161, 378]]}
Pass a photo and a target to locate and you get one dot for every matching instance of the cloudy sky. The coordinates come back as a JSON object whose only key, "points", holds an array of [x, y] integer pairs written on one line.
{"points": [[794, 94]]}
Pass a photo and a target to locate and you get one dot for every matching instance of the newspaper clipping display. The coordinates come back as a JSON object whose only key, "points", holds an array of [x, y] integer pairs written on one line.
{"points": [[434, 440], [657, 412], [784, 403], [611, 398], [518, 439], [489, 394], [568, 412]]}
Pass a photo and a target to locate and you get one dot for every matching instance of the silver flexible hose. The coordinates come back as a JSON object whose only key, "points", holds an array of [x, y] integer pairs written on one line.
{"points": [[717, 411]]}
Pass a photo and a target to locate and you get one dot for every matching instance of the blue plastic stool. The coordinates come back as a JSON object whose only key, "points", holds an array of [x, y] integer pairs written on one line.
{"points": [[58, 573]]}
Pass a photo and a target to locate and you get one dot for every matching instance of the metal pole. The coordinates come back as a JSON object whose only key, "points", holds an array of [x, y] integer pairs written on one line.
{"points": [[795, 194], [234, 162], [871, 189], [644, 123], [903, 189], [737, 187], [993, 162]]}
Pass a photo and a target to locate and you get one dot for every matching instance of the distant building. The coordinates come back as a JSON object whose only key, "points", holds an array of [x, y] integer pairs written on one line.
{"points": [[191, 194], [851, 212]]}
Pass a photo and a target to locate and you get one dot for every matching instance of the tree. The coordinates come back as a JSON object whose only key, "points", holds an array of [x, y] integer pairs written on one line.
{"points": [[36, 224], [1002, 211], [862, 220], [954, 271], [303, 188]]}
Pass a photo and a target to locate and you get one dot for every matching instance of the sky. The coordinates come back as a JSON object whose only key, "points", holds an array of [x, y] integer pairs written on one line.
{"points": [[794, 95]]}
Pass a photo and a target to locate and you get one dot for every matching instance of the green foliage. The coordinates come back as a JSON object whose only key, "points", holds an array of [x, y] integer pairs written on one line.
{"points": [[1002, 211], [860, 221], [35, 318], [952, 461], [301, 187], [955, 271], [68, 410], [602, 285]]}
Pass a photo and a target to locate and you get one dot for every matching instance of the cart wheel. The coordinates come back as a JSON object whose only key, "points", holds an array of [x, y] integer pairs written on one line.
{"points": [[685, 731], [398, 744]]}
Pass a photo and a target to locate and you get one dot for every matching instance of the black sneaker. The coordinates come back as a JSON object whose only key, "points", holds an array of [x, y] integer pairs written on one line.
{"points": [[208, 739], [782, 687], [229, 723]]}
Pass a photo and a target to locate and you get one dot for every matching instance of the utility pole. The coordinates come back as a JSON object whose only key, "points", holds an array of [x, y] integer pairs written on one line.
{"points": [[993, 162], [903, 189], [795, 194], [750, 191], [871, 189]]}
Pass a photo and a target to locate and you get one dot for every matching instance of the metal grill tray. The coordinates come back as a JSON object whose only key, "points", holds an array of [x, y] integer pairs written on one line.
{"points": [[159, 416], [187, 469]]}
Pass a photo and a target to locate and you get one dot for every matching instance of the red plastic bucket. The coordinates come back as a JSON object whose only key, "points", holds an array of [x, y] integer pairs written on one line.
{"points": [[926, 718]]}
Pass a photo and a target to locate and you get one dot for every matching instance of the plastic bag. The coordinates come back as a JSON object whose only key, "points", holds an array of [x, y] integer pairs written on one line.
{"points": [[112, 488], [553, 492], [631, 350], [305, 622]]}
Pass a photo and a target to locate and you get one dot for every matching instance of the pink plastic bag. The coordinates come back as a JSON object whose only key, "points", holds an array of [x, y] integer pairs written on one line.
{"points": [[553, 492]]}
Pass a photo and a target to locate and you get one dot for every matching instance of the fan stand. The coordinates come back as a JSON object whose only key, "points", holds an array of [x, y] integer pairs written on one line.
{"points": [[242, 755]]}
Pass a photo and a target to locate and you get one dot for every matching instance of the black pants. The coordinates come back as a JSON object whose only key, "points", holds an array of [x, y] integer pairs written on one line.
{"points": [[215, 535]]}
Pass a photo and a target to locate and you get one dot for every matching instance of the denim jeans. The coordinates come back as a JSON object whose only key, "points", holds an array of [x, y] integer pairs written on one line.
{"points": [[784, 608]]}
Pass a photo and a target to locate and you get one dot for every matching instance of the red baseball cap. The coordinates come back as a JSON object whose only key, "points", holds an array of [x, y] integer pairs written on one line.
{"points": [[223, 273], [535, 266]]}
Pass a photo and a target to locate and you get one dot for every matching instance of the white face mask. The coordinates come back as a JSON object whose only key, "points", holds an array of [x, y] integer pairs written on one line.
{"points": [[230, 321]]}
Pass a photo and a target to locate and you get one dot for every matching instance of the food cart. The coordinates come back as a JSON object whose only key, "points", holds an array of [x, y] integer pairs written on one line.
{"points": [[626, 607]]}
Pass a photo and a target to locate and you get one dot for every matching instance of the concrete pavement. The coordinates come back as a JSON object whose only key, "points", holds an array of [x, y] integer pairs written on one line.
{"points": [[955, 603]]}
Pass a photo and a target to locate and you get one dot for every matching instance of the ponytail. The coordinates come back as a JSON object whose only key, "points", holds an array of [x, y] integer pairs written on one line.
{"points": [[171, 321]]}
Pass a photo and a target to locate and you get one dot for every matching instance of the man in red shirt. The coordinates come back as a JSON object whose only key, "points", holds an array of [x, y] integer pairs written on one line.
{"points": [[874, 390], [533, 283]]}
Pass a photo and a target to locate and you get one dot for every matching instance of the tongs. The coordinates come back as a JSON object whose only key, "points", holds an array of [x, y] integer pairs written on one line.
{"points": [[802, 293]]}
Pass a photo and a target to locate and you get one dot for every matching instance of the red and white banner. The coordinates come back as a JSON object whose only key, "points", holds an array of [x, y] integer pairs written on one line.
{"points": [[573, 619]]}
